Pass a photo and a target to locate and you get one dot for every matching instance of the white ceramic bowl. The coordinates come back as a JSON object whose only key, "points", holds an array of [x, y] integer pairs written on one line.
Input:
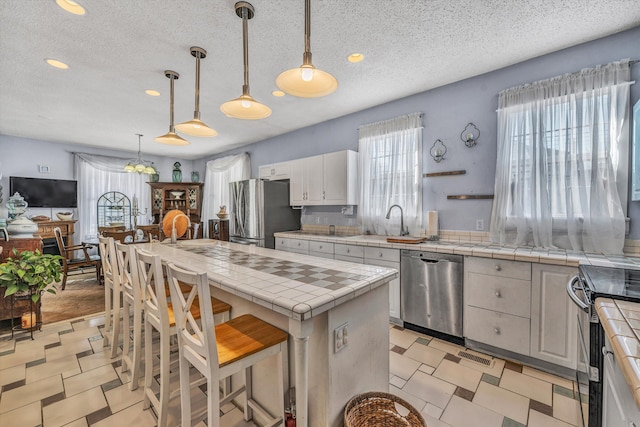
{"points": [[63, 217]]}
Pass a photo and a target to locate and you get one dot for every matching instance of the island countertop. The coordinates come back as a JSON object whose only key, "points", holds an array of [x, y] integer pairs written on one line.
{"points": [[297, 286]]}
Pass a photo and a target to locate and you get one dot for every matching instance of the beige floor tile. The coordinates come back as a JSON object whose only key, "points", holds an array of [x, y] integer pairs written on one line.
{"points": [[537, 419], [430, 389], [432, 410], [403, 338], [402, 366], [462, 413], [566, 409], [425, 354], [74, 407], [71, 348], [65, 366], [20, 358], [87, 380], [427, 369], [89, 323], [79, 335], [98, 345], [28, 393], [40, 340], [397, 381], [462, 376], [410, 398], [121, 397], [445, 346], [503, 402], [494, 369], [99, 358], [6, 343], [235, 419], [131, 416], [434, 422], [527, 386], [11, 375], [554, 379], [24, 416], [80, 422]]}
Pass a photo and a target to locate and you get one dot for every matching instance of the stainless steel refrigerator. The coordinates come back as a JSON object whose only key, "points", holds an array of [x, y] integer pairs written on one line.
{"points": [[259, 209]]}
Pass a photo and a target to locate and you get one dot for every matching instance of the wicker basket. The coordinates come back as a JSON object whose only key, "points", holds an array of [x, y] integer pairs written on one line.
{"points": [[376, 409]]}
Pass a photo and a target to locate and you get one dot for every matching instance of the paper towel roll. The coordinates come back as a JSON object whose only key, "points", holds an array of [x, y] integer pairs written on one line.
{"points": [[432, 228]]}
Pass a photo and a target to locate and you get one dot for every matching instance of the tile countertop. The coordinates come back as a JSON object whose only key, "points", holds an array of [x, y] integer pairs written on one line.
{"points": [[621, 323], [479, 249], [297, 286]]}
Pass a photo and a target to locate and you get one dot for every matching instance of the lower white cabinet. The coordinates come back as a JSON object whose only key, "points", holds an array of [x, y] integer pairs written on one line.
{"points": [[497, 329], [298, 246], [554, 332], [618, 405]]}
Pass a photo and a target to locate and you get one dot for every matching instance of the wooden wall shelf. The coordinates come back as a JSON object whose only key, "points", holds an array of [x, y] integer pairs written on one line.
{"points": [[471, 197], [447, 173]]}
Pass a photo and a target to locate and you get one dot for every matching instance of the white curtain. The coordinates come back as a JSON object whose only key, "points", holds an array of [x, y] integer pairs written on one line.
{"points": [[391, 173], [97, 175], [561, 168], [219, 173]]}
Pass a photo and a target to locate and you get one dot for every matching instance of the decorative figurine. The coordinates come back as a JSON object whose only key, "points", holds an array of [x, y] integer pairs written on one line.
{"points": [[177, 173], [195, 176]]}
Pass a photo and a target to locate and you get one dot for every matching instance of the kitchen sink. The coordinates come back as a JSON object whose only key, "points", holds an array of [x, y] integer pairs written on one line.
{"points": [[368, 237]]}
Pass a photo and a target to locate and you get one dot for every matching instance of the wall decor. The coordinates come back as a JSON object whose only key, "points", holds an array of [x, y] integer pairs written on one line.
{"points": [[438, 150], [470, 135], [176, 176], [195, 176]]}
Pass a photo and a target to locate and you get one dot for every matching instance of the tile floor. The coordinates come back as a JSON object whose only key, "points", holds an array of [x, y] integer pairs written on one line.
{"points": [[66, 378]]}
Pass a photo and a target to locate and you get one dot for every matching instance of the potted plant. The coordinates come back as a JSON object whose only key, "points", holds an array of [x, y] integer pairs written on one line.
{"points": [[30, 271]]}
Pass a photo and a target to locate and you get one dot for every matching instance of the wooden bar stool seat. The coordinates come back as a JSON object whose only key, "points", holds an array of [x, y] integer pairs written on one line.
{"points": [[219, 351]]}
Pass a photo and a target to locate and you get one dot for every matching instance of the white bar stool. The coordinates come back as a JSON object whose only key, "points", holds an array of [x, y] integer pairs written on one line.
{"points": [[112, 291], [219, 351]]}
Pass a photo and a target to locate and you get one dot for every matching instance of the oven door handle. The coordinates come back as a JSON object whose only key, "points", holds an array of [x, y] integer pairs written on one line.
{"points": [[571, 290]]}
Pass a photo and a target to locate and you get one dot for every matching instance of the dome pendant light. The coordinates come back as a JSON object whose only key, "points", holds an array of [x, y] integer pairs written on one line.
{"points": [[197, 127], [171, 137], [245, 107], [307, 81], [139, 165]]}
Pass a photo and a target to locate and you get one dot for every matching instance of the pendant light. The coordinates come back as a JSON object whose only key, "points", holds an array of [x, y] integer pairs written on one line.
{"points": [[197, 127], [139, 165], [307, 81], [171, 137], [245, 107]]}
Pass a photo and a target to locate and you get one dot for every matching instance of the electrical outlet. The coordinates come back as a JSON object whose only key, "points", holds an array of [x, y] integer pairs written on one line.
{"points": [[340, 337], [479, 224]]}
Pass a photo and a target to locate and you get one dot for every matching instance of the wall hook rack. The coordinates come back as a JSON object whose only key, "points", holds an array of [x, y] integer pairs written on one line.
{"points": [[470, 135]]}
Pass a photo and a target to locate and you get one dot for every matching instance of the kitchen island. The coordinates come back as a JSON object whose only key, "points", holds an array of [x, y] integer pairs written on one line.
{"points": [[336, 314]]}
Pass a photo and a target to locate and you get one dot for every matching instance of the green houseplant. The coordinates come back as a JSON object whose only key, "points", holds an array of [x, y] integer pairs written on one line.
{"points": [[29, 269]]}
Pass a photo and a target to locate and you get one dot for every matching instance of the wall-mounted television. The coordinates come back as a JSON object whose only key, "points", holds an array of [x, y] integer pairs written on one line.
{"points": [[45, 193]]}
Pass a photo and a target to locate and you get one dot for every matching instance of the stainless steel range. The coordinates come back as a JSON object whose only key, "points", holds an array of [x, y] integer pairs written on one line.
{"points": [[593, 282]]}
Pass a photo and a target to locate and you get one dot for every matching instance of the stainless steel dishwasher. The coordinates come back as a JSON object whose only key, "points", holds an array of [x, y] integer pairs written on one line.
{"points": [[431, 291]]}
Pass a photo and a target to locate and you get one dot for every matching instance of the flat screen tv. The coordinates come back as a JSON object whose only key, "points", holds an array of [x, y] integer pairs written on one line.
{"points": [[45, 193]]}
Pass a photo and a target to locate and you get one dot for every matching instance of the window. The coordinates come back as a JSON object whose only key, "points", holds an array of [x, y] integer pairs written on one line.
{"points": [[560, 178], [391, 173]]}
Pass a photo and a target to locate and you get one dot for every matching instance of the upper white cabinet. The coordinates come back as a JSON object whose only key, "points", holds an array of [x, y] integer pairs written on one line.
{"points": [[275, 171], [328, 179]]}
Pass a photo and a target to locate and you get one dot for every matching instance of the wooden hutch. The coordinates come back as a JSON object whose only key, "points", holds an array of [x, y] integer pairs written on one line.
{"points": [[167, 196]]}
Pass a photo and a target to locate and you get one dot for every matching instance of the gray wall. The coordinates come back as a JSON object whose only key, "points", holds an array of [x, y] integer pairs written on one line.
{"points": [[447, 110]]}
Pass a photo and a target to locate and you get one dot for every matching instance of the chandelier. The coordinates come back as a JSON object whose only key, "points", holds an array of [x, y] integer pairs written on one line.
{"points": [[139, 165]]}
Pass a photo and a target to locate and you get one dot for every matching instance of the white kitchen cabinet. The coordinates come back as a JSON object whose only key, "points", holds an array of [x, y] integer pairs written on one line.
{"points": [[298, 246], [275, 171], [390, 258], [554, 332], [497, 303], [328, 179], [618, 405], [321, 249]]}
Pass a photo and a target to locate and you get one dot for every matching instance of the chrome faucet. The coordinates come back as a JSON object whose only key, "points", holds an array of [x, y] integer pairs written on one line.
{"points": [[403, 232], [174, 233]]}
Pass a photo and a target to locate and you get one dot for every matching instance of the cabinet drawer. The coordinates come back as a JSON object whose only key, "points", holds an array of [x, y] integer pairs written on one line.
{"points": [[497, 329], [321, 254], [503, 294], [349, 250], [357, 260], [499, 267], [299, 246], [382, 254], [323, 247]]}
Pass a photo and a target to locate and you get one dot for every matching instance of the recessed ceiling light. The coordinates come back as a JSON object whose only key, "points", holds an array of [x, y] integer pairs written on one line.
{"points": [[71, 7], [152, 92], [355, 57], [57, 64], [277, 93]]}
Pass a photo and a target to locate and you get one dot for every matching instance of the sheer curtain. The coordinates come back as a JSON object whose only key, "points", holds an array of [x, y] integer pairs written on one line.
{"points": [[562, 163], [391, 173], [219, 173], [97, 175]]}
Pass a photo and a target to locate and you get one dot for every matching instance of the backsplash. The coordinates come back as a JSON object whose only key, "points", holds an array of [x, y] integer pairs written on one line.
{"points": [[330, 215]]}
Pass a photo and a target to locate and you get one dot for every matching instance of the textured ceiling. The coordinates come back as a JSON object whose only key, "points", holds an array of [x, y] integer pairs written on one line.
{"points": [[121, 48]]}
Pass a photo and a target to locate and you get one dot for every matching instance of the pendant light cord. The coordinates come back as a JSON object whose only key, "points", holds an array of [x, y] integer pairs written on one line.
{"points": [[171, 126], [196, 113], [245, 48], [306, 59]]}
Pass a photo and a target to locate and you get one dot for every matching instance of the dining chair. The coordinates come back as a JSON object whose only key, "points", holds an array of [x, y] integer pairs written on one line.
{"points": [[219, 351], [159, 316], [112, 293], [132, 311], [70, 263], [127, 236], [111, 228], [152, 231]]}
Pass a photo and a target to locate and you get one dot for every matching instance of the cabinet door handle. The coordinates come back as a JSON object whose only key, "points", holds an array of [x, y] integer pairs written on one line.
{"points": [[320, 247], [498, 268], [380, 254], [498, 294], [348, 250], [323, 195], [496, 330]]}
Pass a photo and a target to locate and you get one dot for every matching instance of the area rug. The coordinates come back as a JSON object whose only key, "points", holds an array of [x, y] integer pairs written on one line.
{"points": [[81, 297]]}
